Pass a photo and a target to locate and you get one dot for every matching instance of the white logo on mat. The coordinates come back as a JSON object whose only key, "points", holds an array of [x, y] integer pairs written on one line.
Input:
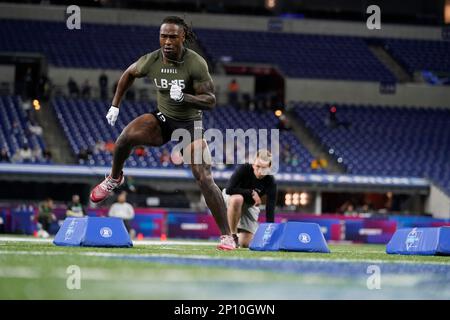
{"points": [[304, 238], [268, 234], [413, 239], [106, 232]]}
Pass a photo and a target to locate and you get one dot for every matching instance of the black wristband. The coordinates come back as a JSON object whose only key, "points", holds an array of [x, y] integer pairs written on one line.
{"points": [[114, 106]]}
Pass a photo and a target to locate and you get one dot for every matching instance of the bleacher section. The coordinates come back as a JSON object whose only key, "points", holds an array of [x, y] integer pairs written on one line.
{"points": [[87, 125], [115, 47], [94, 46], [14, 129], [420, 55], [377, 140], [298, 55]]}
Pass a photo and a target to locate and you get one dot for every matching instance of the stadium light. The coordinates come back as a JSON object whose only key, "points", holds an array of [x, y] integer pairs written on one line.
{"points": [[36, 105]]}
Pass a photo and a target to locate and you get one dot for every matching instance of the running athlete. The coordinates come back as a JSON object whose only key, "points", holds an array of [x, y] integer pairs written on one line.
{"points": [[184, 89]]}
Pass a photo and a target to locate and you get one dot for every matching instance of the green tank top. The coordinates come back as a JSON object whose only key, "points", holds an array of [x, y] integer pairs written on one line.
{"points": [[191, 70]]}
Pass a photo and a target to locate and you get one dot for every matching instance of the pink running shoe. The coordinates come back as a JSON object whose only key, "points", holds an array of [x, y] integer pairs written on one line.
{"points": [[226, 243], [104, 189]]}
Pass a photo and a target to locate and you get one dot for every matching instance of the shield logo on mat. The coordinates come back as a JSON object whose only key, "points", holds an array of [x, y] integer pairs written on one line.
{"points": [[106, 232]]}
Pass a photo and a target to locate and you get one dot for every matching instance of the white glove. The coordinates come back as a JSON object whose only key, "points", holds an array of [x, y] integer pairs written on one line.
{"points": [[112, 115], [176, 93]]}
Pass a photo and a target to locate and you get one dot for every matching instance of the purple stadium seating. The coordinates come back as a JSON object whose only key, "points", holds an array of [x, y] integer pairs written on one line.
{"points": [[84, 127], [297, 55], [379, 140], [13, 137], [420, 55]]}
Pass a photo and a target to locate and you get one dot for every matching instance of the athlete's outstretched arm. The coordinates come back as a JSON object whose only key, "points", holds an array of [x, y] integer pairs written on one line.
{"points": [[125, 82], [204, 98]]}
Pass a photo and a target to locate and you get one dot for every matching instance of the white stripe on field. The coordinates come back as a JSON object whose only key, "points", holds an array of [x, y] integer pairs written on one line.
{"points": [[206, 257], [135, 242]]}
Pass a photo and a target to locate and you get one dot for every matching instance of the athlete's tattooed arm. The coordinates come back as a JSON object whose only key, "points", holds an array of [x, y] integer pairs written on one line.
{"points": [[204, 98]]}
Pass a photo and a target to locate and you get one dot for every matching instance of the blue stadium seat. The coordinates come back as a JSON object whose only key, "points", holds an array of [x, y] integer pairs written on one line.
{"points": [[381, 140]]}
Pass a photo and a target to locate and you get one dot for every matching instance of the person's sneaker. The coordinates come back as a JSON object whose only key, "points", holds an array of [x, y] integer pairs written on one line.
{"points": [[226, 243], [106, 188]]}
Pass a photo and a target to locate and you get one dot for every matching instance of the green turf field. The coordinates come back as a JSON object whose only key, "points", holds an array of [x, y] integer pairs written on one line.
{"points": [[39, 270]]}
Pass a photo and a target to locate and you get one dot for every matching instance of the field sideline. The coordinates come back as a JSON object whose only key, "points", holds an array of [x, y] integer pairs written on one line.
{"points": [[36, 269]]}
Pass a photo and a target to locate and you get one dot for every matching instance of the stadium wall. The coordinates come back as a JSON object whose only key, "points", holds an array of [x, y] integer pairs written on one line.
{"points": [[222, 21], [359, 92]]}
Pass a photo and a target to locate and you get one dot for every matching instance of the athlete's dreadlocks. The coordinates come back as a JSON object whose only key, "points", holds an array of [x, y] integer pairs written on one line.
{"points": [[189, 35]]}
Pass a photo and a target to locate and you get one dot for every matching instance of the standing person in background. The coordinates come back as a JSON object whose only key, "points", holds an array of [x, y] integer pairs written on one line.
{"points": [[103, 84], [75, 208], [46, 215], [233, 93], [124, 210]]}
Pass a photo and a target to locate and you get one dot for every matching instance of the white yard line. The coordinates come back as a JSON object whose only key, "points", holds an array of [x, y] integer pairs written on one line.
{"points": [[135, 242], [181, 242], [206, 257]]}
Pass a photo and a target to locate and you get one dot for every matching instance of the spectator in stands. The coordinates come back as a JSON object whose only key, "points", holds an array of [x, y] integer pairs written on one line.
{"points": [[295, 160], [283, 123], [29, 85], [233, 93], [348, 209], [15, 128], [103, 84], [109, 146], [366, 208], [333, 122], [124, 210], [72, 86], [46, 215], [23, 155], [47, 155], [286, 153], [44, 88], [99, 147], [83, 156], [165, 157], [140, 152], [75, 208], [26, 106], [37, 154], [4, 156], [34, 128], [86, 90]]}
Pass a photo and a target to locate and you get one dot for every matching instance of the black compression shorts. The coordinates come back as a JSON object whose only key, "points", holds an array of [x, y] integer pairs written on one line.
{"points": [[169, 125]]}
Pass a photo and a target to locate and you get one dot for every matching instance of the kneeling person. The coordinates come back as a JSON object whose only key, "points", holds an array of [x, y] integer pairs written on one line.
{"points": [[243, 196]]}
